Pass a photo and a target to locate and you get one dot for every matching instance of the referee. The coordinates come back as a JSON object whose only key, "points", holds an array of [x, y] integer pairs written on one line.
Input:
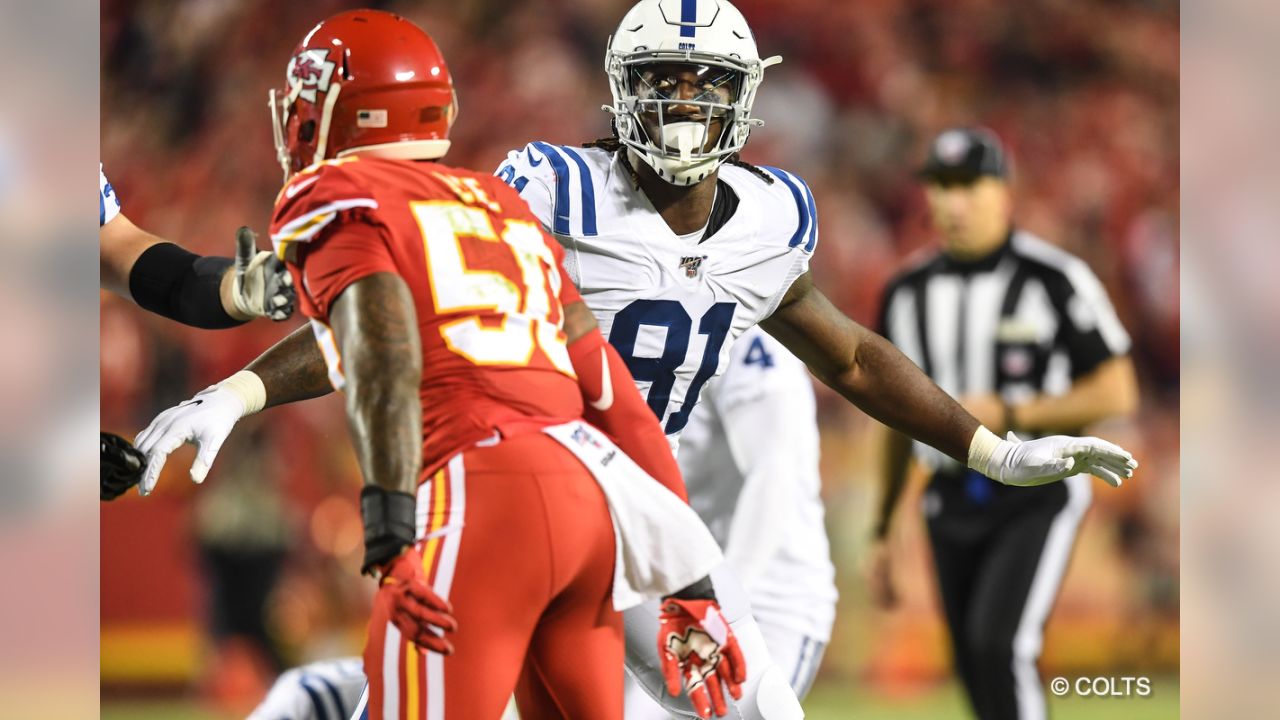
{"points": [[1023, 333]]}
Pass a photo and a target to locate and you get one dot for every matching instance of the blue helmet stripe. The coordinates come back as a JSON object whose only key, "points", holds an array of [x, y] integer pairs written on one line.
{"points": [[688, 14], [560, 223], [588, 192], [801, 206]]}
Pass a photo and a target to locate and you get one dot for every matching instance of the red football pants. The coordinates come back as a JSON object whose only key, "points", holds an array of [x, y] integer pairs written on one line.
{"points": [[518, 537]]}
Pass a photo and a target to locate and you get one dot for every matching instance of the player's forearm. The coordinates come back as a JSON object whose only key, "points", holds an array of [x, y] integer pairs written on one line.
{"points": [[165, 278], [897, 454], [759, 523], [892, 389], [375, 328], [612, 403], [1111, 390], [293, 369], [868, 371], [765, 454]]}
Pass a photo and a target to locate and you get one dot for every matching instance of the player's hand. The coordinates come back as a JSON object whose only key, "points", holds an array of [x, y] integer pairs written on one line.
{"points": [[408, 601], [700, 654], [1049, 459], [884, 591], [263, 286], [121, 466], [205, 420]]}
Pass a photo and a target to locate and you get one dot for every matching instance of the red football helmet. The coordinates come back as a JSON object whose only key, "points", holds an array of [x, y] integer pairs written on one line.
{"points": [[366, 81]]}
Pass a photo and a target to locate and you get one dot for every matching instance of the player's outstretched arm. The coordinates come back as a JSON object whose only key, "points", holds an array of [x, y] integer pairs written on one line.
{"points": [[872, 374], [612, 403], [292, 370], [204, 292], [376, 331]]}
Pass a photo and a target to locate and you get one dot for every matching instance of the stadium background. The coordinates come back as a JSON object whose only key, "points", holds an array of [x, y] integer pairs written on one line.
{"points": [[1084, 93]]}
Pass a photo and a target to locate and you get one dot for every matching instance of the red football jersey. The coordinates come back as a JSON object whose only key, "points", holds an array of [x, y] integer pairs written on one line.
{"points": [[485, 279]]}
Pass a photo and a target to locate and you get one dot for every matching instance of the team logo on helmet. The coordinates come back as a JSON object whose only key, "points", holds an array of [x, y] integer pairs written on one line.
{"points": [[312, 71]]}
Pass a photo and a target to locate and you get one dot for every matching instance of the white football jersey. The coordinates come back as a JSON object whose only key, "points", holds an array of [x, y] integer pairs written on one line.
{"points": [[108, 202], [749, 457], [671, 306]]}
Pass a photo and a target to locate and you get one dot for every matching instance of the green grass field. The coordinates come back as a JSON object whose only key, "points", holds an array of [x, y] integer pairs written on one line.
{"points": [[827, 702]]}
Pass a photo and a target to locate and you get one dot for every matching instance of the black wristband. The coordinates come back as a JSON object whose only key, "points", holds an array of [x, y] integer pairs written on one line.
{"points": [[701, 590], [180, 285], [389, 524]]}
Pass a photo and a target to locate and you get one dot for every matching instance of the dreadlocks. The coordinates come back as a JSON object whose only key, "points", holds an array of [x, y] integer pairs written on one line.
{"points": [[612, 144]]}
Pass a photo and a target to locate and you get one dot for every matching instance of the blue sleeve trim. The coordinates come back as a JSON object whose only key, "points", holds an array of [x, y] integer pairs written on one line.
{"points": [[560, 221], [333, 695], [588, 192], [808, 227], [102, 209], [813, 219], [316, 701]]}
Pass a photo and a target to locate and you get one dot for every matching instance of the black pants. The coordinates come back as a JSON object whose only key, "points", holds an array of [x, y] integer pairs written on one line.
{"points": [[1000, 554]]}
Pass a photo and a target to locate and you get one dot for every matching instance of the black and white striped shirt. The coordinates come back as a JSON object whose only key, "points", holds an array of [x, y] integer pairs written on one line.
{"points": [[1027, 319]]}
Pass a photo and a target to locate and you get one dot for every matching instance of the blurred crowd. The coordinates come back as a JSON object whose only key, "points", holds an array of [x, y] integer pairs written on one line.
{"points": [[1083, 92]]}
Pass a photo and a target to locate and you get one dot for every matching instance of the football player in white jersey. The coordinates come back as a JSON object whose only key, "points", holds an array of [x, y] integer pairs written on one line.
{"points": [[749, 457], [678, 248], [170, 281]]}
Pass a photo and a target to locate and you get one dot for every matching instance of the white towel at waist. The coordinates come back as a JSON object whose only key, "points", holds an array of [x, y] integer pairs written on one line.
{"points": [[661, 544]]}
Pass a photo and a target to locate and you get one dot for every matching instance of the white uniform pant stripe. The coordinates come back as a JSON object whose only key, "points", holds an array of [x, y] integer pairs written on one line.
{"points": [[391, 656], [1029, 637], [445, 567]]}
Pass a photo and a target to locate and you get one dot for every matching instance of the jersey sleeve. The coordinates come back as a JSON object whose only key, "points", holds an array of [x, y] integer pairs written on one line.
{"points": [[797, 215], [311, 201], [761, 403], [1089, 330], [348, 249], [326, 226], [531, 175], [108, 201]]}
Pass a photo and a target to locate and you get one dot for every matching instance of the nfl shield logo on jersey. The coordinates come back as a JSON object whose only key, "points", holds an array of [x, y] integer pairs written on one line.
{"points": [[691, 264]]}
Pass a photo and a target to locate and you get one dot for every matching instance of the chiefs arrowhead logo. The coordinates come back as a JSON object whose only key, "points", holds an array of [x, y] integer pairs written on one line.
{"points": [[697, 652], [312, 71]]}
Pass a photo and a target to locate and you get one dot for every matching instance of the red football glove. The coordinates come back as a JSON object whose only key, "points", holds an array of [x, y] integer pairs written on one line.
{"points": [[697, 645], [404, 596]]}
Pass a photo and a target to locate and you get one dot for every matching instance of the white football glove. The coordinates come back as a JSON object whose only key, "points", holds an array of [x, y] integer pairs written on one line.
{"points": [[1048, 459], [205, 420], [262, 285]]}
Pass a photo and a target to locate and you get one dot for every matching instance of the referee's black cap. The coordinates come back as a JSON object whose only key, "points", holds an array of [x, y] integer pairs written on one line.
{"points": [[962, 155]]}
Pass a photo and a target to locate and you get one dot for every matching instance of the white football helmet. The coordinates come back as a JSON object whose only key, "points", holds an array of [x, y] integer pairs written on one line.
{"points": [[711, 44]]}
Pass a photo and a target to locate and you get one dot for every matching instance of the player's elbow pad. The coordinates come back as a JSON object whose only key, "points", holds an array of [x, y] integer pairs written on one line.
{"points": [[612, 403], [182, 286]]}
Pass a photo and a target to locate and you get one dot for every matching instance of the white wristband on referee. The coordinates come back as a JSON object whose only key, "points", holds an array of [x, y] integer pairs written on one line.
{"points": [[248, 387], [987, 452]]}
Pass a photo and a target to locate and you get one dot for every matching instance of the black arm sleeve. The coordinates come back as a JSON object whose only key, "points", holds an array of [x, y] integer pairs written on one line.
{"points": [[182, 286]]}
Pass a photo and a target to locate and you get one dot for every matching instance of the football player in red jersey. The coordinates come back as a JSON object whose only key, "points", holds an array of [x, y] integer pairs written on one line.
{"points": [[465, 357]]}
